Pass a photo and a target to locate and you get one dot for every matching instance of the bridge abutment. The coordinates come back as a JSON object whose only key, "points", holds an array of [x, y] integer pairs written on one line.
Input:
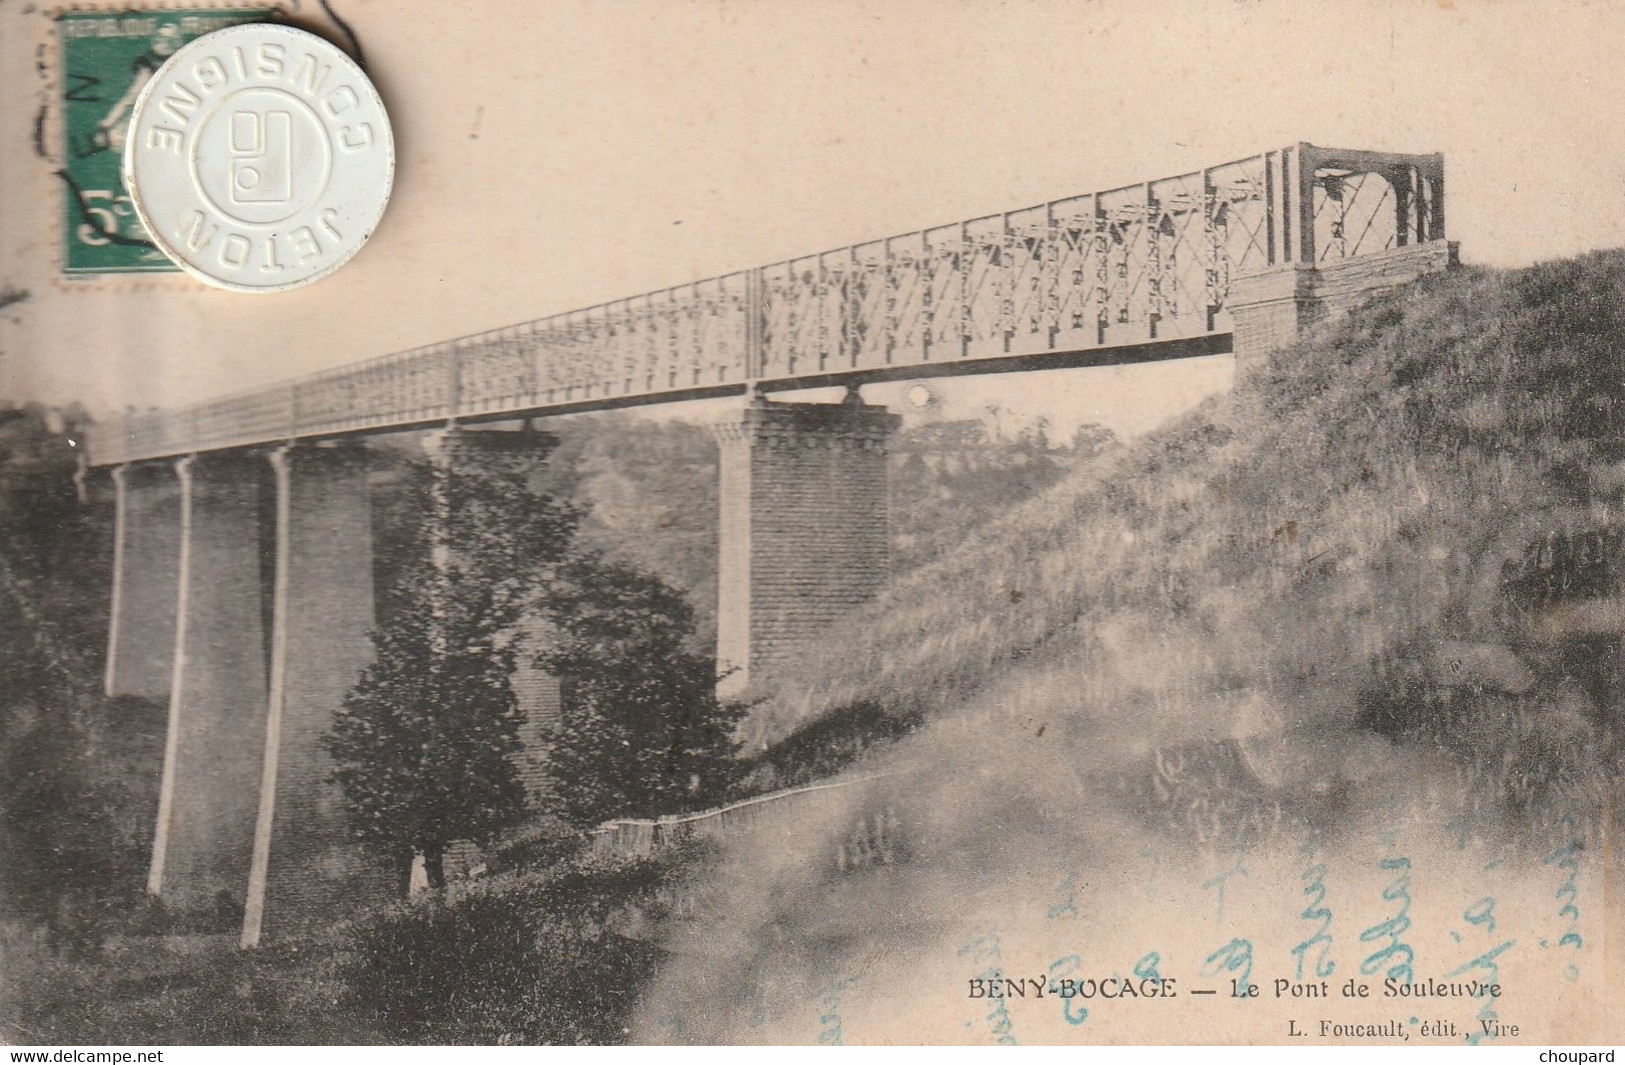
{"points": [[216, 732], [305, 864], [804, 534], [1272, 308], [146, 576]]}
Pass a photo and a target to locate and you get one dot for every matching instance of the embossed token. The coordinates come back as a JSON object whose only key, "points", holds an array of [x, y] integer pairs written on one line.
{"points": [[259, 158]]}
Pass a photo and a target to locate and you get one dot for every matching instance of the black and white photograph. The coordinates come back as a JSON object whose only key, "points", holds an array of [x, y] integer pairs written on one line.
{"points": [[741, 522]]}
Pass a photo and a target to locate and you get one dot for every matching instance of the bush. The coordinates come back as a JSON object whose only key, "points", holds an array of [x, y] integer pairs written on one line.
{"points": [[78, 794], [513, 960], [642, 731]]}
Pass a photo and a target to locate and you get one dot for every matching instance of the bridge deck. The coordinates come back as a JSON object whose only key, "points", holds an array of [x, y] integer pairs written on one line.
{"points": [[1127, 275]]}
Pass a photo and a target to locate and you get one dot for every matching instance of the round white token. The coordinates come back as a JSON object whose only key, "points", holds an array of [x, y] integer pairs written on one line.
{"points": [[259, 158]]}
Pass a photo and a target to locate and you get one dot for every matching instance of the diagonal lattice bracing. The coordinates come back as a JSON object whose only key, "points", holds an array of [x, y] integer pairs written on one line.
{"points": [[1124, 268]]}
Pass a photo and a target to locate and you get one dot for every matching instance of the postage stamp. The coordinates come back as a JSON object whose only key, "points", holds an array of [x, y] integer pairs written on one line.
{"points": [[105, 58]]}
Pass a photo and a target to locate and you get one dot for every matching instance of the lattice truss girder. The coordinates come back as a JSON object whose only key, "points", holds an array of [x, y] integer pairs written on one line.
{"points": [[1134, 256], [1135, 264]]}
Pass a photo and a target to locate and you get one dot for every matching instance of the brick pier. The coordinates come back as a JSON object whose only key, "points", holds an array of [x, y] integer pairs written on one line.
{"points": [[146, 573], [207, 802], [804, 527], [305, 865]]}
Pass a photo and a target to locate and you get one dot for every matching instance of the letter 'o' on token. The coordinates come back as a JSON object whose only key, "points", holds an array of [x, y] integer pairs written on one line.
{"points": [[259, 158]]}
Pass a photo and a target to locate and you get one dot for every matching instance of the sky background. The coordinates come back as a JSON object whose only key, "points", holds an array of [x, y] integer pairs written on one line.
{"points": [[554, 155]]}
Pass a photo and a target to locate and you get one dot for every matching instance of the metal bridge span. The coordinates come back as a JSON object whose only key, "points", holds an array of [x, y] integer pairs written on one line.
{"points": [[1131, 274]]}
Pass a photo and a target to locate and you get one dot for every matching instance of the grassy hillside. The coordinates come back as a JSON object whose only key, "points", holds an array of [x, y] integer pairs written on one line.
{"points": [[1401, 525], [1361, 615], [648, 490]]}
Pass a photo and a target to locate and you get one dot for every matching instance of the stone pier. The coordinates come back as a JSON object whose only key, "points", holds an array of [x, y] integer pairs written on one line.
{"points": [[804, 530], [305, 865], [538, 692], [146, 577], [216, 734]]}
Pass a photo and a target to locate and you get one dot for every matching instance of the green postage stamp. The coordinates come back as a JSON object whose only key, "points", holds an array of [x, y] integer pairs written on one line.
{"points": [[106, 57]]}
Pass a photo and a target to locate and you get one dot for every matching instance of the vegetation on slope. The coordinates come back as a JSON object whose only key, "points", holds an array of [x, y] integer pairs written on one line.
{"points": [[1400, 523], [552, 955], [78, 772], [1368, 605]]}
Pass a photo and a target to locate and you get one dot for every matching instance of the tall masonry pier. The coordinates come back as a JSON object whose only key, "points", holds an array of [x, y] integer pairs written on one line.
{"points": [[243, 589], [216, 733], [804, 534]]}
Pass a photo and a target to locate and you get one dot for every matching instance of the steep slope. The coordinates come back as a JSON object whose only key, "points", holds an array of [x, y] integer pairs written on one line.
{"points": [[1340, 522], [1361, 615]]}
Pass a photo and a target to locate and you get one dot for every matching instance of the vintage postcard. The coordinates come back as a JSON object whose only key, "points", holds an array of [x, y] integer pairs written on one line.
{"points": [[854, 523]]}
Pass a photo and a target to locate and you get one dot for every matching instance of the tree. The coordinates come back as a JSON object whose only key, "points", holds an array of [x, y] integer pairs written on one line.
{"points": [[643, 732], [78, 772], [1090, 440], [424, 745], [649, 495]]}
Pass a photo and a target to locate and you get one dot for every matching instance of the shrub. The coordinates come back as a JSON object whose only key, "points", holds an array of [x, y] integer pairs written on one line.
{"points": [[538, 959]]}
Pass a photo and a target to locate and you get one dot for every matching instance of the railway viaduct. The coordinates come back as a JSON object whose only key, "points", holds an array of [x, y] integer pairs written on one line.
{"points": [[1237, 258]]}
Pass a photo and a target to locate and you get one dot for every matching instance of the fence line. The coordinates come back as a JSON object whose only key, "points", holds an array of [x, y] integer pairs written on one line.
{"points": [[641, 837]]}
